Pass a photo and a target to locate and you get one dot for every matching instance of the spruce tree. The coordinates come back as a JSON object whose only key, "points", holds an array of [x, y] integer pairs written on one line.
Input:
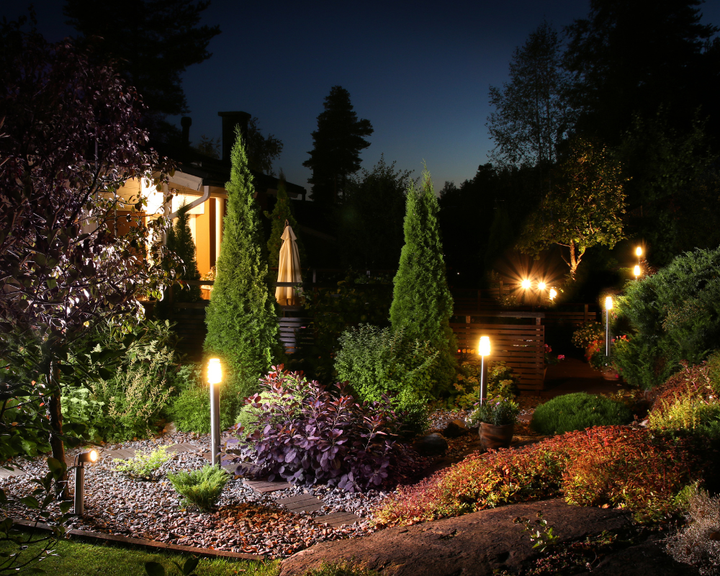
{"points": [[179, 241], [241, 319], [422, 304]]}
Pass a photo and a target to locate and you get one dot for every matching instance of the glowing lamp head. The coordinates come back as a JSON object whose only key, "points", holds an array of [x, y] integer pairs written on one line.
{"points": [[608, 303], [638, 251], [636, 271], [525, 284], [542, 285], [484, 347], [214, 373], [553, 293], [91, 456]]}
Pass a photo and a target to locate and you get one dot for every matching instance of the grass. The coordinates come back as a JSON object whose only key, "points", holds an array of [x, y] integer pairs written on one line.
{"points": [[73, 558]]}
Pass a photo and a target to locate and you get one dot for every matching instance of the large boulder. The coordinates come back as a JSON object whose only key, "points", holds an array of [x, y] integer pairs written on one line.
{"points": [[483, 542]]}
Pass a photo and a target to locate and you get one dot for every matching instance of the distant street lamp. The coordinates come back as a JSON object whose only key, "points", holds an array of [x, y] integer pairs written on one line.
{"points": [[214, 376], [80, 460], [608, 307], [483, 350]]}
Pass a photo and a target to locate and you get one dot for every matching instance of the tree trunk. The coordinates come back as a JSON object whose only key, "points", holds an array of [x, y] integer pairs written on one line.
{"points": [[55, 414]]}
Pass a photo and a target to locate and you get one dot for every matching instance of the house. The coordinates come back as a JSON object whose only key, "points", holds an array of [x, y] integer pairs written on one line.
{"points": [[199, 181]]}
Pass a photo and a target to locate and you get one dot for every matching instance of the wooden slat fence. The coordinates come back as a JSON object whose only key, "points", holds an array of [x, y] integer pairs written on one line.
{"points": [[520, 346]]}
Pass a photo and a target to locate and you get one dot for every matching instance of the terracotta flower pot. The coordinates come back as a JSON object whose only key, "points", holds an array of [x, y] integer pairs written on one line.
{"points": [[492, 436]]}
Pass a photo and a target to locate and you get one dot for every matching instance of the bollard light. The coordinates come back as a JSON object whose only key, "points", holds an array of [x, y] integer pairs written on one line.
{"points": [[80, 461], [638, 251], [637, 271], [552, 294], [214, 376], [608, 307], [483, 350]]}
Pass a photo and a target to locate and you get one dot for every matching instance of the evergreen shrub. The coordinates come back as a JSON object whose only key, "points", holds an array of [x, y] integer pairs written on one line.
{"points": [[578, 411], [201, 488], [380, 361], [672, 315], [502, 382]]}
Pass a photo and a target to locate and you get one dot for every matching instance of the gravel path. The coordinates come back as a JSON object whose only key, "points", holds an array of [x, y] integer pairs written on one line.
{"points": [[245, 521]]}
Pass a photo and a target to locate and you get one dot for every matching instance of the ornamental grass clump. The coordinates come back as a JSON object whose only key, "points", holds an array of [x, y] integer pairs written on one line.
{"points": [[578, 411], [610, 465], [314, 436], [201, 488]]}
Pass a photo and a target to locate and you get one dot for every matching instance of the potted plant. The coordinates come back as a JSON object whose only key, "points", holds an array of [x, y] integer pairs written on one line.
{"points": [[496, 417]]}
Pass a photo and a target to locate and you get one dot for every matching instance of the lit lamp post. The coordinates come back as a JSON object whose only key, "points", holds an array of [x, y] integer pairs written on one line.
{"points": [[214, 376], [80, 460], [483, 350], [638, 253], [608, 307], [637, 271]]}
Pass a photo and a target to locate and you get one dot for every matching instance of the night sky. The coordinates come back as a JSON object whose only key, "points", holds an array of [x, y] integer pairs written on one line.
{"points": [[419, 71]]}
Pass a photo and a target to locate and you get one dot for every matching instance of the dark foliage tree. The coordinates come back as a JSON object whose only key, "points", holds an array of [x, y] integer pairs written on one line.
{"points": [[151, 43], [262, 150], [531, 115], [631, 58], [71, 139], [584, 208], [241, 319], [338, 140], [180, 243], [371, 219], [422, 304]]}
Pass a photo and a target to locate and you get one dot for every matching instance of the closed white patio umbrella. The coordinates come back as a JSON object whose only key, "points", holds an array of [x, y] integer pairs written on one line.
{"points": [[288, 269]]}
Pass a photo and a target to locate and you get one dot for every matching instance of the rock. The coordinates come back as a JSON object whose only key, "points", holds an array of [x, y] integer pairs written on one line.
{"points": [[481, 544], [431, 445], [455, 429]]}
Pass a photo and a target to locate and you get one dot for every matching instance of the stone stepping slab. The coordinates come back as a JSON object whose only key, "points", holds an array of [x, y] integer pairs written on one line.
{"points": [[337, 519], [183, 448], [301, 503], [5, 473], [265, 487], [120, 453]]}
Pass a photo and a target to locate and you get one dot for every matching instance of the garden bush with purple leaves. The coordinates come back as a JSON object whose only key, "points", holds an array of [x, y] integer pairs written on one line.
{"points": [[312, 436]]}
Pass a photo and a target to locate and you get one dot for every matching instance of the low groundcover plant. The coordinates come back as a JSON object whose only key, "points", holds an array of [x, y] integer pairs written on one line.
{"points": [[609, 465], [144, 466]]}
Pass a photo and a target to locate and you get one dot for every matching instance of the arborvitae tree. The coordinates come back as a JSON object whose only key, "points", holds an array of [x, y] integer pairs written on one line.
{"points": [[422, 304], [241, 319], [281, 213], [179, 241]]}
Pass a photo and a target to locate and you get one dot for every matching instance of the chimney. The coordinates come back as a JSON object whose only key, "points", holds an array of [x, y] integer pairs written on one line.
{"points": [[229, 121], [186, 122]]}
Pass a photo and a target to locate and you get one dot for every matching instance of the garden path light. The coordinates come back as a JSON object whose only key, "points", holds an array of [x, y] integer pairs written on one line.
{"points": [[80, 460], [214, 376], [483, 350]]}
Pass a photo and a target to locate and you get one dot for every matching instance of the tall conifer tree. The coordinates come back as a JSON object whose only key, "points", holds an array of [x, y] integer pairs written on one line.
{"points": [[241, 319], [179, 241], [422, 304]]}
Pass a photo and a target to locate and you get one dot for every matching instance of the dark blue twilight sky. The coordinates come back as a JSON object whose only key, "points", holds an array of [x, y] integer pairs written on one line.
{"points": [[418, 70]]}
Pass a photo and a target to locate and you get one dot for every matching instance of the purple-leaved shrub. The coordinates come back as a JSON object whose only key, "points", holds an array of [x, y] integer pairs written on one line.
{"points": [[310, 435]]}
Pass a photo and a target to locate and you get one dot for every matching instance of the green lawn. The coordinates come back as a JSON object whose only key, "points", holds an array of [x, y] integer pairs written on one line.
{"points": [[73, 558]]}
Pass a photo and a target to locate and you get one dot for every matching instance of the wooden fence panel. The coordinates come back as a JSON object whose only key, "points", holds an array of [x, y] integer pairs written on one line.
{"points": [[520, 346]]}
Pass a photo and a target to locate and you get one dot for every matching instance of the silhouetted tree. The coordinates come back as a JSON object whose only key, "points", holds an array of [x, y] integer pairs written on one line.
{"points": [[631, 58], [370, 222], [531, 115], [241, 319], [180, 242], [262, 150], [151, 42], [338, 140]]}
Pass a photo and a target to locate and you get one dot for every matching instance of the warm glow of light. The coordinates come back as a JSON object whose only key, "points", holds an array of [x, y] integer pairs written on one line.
{"points": [[484, 347], [553, 293], [608, 303], [525, 284], [541, 285], [637, 271], [638, 251], [214, 373], [93, 456]]}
